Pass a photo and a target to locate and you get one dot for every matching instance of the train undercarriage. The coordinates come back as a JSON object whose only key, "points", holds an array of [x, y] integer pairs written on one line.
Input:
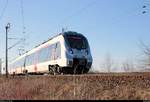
{"points": [[68, 70], [56, 70], [77, 68]]}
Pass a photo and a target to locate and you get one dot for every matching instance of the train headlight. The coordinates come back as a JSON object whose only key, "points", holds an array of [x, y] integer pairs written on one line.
{"points": [[70, 63], [70, 51]]}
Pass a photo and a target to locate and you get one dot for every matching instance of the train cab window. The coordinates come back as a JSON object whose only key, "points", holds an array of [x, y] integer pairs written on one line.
{"points": [[76, 41]]}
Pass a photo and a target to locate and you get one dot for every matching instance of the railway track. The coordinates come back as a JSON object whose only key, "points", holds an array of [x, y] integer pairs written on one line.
{"points": [[133, 74]]}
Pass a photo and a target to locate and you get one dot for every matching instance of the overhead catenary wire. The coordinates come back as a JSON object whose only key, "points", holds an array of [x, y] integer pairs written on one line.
{"points": [[79, 11], [134, 12], [16, 44], [23, 23], [21, 40]]}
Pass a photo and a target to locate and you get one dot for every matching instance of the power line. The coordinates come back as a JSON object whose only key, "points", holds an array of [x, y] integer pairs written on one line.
{"points": [[16, 44], [135, 12], [3, 10], [23, 22]]}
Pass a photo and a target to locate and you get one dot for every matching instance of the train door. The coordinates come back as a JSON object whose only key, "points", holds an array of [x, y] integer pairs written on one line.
{"points": [[53, 52], [35, 61], [21, 65], [24, 65], [57, 51]]}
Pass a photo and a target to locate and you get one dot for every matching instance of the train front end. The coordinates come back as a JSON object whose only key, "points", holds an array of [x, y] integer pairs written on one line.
{"points": [[78, 54]]}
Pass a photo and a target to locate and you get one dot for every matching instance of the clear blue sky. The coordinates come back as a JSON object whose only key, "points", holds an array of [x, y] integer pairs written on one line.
{"points": [[111, 26]]}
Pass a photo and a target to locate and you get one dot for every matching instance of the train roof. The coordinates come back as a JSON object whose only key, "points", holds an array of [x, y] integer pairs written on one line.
{"points": [[63, 34]]}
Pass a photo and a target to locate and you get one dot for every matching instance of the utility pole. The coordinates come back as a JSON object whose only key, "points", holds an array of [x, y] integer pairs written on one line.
{"points": [[7, 27]]}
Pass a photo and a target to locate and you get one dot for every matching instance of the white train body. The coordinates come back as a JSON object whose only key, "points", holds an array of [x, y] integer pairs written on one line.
{"points": [[66, 53]]}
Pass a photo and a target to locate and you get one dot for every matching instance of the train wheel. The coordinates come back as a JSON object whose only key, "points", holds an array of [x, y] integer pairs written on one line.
{"points": [[14, 74], [59, 70], [82, 71], [86, 70], [25, 72], [55, 70], [51, 69], [75, 69]]}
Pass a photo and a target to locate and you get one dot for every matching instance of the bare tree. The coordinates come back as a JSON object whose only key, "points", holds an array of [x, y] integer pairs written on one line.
{"points": [[146, 60], [108, 62], [128, 66]]}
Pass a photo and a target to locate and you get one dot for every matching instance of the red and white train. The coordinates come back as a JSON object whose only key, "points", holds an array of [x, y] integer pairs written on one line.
{"points": [[66, 53]]}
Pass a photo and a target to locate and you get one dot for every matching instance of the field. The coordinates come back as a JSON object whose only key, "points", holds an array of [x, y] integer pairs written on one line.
{"points": [[104, 86]]}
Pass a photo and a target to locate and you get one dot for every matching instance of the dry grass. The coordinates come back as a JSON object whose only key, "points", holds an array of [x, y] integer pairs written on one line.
{"points": [[123, 86]]}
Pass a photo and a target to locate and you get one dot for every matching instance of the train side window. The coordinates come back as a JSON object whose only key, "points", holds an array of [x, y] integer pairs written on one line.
{"points": [[46, 53], [33, 58], [49, 52], [30, 60], [43, 55], [40, 55]]}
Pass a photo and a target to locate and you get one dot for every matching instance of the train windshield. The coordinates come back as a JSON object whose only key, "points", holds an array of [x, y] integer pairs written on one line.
{"points": [[77, 41]]}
